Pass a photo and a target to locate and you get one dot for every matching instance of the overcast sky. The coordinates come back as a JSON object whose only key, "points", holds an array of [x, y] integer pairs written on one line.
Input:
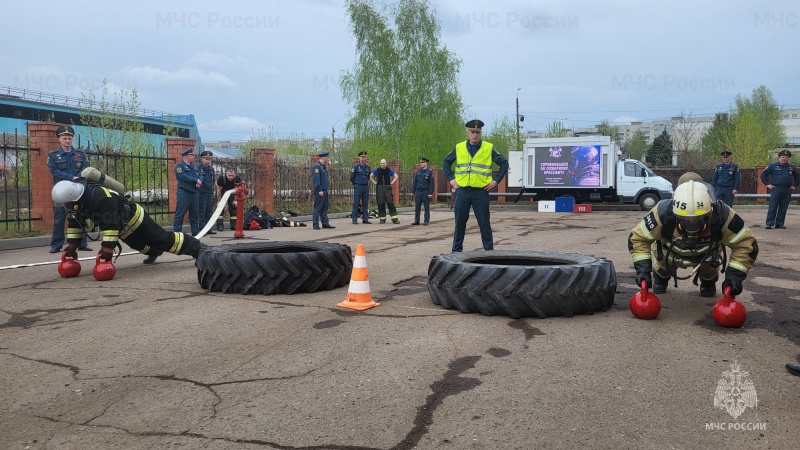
{"points": [[245, 66]]}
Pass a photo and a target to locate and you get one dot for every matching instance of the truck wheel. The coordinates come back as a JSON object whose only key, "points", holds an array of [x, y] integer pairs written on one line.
{"points": [[522, 283], [274, 267], [648, 201]]}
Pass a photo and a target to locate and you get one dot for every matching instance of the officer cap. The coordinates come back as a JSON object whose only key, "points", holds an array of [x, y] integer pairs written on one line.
{"points": [[362, 153], [188, 151], [785, 153], [324, 154], [65, 131], [474, 125], [726, 153], [206, 154], [422, 158]]}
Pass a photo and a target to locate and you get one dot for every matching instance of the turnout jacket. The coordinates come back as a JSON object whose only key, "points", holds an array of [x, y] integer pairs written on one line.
{"points": [[659, 227], [113, 214]]}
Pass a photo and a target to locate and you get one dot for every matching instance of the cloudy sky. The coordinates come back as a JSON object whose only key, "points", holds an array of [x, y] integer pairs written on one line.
{"points": [[250, 66]]}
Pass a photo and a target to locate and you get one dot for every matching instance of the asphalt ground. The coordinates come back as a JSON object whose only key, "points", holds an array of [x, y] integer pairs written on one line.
{"points": [[152, 360]]}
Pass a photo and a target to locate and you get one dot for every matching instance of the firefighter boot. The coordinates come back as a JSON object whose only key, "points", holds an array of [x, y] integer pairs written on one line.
{"points": [[220, 225], [708, 288], [659, 284]]}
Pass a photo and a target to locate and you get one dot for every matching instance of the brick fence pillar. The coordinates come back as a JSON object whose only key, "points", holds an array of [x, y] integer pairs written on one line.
{"points": [[761, 188], [43, 141], [175, 146], [264, 182], [502, 187], [395, 165]]}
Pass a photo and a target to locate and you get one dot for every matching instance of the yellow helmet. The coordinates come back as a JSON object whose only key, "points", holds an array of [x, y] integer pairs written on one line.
{"points": [[692, 206]]}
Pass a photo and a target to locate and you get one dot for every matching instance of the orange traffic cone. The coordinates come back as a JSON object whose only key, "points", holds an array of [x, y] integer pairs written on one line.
{"points": [[358, 294]]}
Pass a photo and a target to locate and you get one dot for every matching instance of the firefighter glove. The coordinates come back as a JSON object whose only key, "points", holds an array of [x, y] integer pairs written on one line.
{"points": [[734, 279]]}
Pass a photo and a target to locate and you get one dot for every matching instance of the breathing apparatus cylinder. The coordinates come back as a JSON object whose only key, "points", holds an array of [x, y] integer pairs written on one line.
{"points": [[95, 176]]}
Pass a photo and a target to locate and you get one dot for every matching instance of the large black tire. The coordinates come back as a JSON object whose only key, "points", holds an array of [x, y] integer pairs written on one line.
{"points": [[274, 267], [522, 283]]}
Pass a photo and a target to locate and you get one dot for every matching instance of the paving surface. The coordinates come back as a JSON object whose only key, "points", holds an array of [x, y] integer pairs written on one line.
{"points": [[152, 360]]}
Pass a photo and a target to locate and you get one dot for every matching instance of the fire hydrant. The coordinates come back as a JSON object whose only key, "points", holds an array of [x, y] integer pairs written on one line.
{"points": [[241, 191]]}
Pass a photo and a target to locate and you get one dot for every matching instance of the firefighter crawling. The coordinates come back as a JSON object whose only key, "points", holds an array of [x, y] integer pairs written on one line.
{"points": [[118, 219], [692, 231]]}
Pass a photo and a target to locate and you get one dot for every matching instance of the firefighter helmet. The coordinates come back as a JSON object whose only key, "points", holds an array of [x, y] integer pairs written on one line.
{"points": [[692, 206], [67, 192]]}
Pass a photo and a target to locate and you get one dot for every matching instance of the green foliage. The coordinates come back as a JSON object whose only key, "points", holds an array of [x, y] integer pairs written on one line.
{"points": [[502, 135], [404, 86], [751, 130], [637, 146], [660, 153], [609, 130], [112, 123], [294, 147], [556, 129]]}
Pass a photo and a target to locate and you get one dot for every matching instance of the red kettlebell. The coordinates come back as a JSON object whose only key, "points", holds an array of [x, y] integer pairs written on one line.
{"points": [[69, 267], [103, 270], [728, 312], [645, 305]]}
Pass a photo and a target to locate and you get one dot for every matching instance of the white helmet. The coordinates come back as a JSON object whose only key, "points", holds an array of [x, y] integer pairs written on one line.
{"points": [[692, 206], [67, 191]]}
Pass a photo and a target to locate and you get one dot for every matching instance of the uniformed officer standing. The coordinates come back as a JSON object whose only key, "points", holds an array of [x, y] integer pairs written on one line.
{"points": [[189, 183], [473, 180], [206, 192], [422, 187], [319, 176], [359, 176], [65, 164], [726, 179], [783, 179]]}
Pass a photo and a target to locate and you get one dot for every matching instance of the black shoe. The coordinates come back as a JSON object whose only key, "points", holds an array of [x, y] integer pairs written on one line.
{"points": [[85, 248], [316, 227], [55, 249], [366, 221], [383, 221], [768, 227], [212, 232], [328, 226], [659, 284], [220, 228], [781, 227], [793, 368], [150, 259], [355, 223], [426, 224], [415, 223], [708, 288], [396, 221]]}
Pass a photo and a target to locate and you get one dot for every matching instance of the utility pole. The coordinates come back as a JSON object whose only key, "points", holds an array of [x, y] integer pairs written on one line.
{"points": [[333, 140], [516, 144]]}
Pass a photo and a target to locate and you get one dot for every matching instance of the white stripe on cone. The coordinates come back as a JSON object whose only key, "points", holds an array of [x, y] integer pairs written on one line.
{"points": [[358, 287], [360, 262]]}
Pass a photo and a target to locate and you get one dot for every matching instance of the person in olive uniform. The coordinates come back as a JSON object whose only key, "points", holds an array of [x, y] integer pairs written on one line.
{"points": [[359, 176], [206, 193], [65, 164], [726, 179], [782, 179], [473, 180], [321, 182], [422, 187], [189, 183]]}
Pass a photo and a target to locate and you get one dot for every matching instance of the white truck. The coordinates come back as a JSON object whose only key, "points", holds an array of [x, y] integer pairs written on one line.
{"points": [[586, 168]]}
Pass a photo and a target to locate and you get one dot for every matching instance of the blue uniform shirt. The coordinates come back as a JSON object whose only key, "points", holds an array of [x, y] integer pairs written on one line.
{"points": [[64, 166], [360, 174], [726, 175], [207, 175], [423, 181], [781, 175], [187, 176], [320, 177]]}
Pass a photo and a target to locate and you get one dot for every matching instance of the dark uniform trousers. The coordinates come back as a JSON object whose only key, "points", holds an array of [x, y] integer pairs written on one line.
{"points": [[778, 204], [478, 199], [206, 207], [361, 198], [321, 208], [420, 199], [187, 201], [385, 199]]}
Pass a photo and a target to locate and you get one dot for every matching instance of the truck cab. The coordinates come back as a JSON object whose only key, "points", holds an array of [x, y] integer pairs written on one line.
{"points": [[636, 183]]}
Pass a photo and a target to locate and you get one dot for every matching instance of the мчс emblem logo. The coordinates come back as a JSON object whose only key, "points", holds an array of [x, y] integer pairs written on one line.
{"points": [[735, 392]]}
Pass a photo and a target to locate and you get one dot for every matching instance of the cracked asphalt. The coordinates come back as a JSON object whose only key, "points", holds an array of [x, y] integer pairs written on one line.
{"points": [[151, 360]]}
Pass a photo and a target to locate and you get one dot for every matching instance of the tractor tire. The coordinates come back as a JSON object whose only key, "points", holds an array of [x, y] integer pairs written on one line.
{"points": [[270, 268], [522, 283]]}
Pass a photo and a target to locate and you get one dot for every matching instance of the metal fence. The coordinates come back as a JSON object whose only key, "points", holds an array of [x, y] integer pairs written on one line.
{"points": [[15, 199]]}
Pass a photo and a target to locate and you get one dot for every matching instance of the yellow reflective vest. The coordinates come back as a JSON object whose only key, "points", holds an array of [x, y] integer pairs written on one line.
{"points": [[473, 171]]}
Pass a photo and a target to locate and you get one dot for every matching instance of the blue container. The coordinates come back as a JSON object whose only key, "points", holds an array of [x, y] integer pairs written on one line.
{"points": [[565, 204]]}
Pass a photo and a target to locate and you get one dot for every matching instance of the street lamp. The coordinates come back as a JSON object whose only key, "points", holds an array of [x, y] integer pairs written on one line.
{"points": [[333, 136], [519, 118]]}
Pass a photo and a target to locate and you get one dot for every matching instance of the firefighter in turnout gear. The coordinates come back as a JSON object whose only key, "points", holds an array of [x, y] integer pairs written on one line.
{"points": [[692, 231], [118, 219]]}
